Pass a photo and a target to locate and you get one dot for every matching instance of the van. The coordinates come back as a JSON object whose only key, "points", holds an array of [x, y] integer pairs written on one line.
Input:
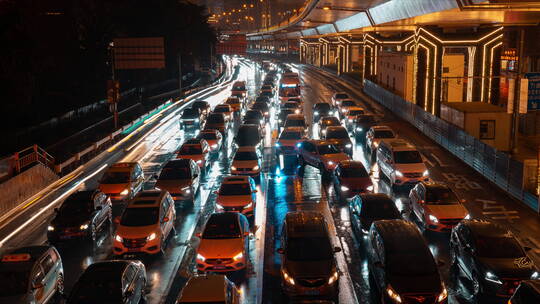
{"points": [[146, 224], [401, 264], [308, 265], [401, 162]]}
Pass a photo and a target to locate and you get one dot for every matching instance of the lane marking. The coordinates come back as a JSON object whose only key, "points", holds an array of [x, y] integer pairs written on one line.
{"points": [[461, 182]]}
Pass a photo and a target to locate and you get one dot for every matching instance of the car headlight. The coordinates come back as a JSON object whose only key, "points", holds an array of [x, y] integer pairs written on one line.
{"points": [[343, 110], [534, 275], [200, 257], [316, 113], [265, 113], [443, 295], [118, 238], [323, 131], [398, 173], [248, 206], [296, 111], [256, 167], [298, 145], [277, 145], [369, 188], [233, 168], [83, 227], [186, 190], [376, 144], [393, 294], [50, 228], [344, 188], [219, 207], [490, 276], [333, 278], [330, 163], [196, 120], [426, 173], [199, 161], [151, 237], [287, 277], [350, 120], [214, 146], [359, 129], [467, 217], [433, 218], [239, 256], [124, 192], [279, 120], [348, 146]]}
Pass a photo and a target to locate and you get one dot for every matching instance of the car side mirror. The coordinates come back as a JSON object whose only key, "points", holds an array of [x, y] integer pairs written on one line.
{"points": [[280, 251], [378, 265], [198, 234], [117, 220], [37, 285], [255, 191], [165, 219], [337, 249]]}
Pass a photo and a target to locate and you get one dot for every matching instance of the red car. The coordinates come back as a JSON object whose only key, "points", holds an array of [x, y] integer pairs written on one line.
{"points": [[351, 178]]}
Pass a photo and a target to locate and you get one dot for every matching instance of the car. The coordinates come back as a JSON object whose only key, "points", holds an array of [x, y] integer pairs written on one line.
{"points": [[401, 163], [249, 136], [190, 119], [217, 121], [262, 98], [202, 105], [263, 108], [82, 215], [267, 88], [196, 149], [247, 161], [345, 105], [182, 179], [224, 245], [282, 117], [338, 97], [269, 94], [113, 281], [239, 87], [320, 154], [490, 257], [235, 104], [146, 224], [255, 117], [327, 121], [32, 274], [213, 138], [351, 178], [287, 140], [340, 137], [224, 109], [528, 291], [308, 263], [350, 115], [296, 120], [436, 207], [122, 181], [366, 208], [361, 124], [237, 194], [322, 109], [298, 100], [210, 288], [401, 266], [377, 133], [294, 106], [269, 82]]}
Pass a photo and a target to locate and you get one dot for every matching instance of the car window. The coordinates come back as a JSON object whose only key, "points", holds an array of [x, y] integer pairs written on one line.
{"points": [[221, 228], [218, 118], [246, 155], [116, 177], [380, 209], [441, 196], [384, 134], [407, 157], [235, 189], [354, 172], [133, 217], [172, 173], [337, 133], [309, 249], [47, 264], [341, 96]]}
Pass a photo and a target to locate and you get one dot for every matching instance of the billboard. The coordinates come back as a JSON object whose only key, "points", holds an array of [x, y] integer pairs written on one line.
{"points": [[139, 53]]}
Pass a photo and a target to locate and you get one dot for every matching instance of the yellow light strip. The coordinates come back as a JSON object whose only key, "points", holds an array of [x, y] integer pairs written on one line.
{"points": [[483, 86], [459, 41], [491, 68], [427, 76]]}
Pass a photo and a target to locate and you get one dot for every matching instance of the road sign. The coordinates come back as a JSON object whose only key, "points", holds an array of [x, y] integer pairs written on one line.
{"points": [[139, 53], [534, 91]]}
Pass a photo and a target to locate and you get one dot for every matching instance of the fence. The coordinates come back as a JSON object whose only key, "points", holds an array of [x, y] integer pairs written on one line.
{"points": [[496, 166]]}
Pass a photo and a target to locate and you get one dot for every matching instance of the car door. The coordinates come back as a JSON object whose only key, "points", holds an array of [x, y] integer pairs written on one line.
{"points": [[50, 275], [464, 251], [37, 284], [418, 195], [130, 293]]}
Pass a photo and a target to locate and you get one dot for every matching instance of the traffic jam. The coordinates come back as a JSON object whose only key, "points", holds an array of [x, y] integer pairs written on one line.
{"points": [[283, 187]]}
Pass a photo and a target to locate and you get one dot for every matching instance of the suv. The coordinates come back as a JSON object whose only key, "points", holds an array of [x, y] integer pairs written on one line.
{"points": [[224, 245], [490, 257], [82, 214], [247, 161], [197, 150], [146, 224], [351, 178], [249, 136], [122, 181], [308, 265], [322, 109], [237, 194], [296, 120], [181, 178], [191, 118], [201, 105], [377, 133], [239, 87], [401, 264], [327, 121], [340, 137], [368, 208], [217, 121], [436, 207], [320, 154], [32, 274], [401, 163], [286, 143]]}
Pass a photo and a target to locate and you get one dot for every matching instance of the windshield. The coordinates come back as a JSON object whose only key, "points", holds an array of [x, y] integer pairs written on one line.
{"points": [[99, 288], [233, 101], [295, 123], [221, 109], [365, 118], [175, 173], [327, 149], [190, 113], [77, 207], [290, 105], [322, 107], [208, 136], [309, 249], [330, 122], [411, 263], [133, 217], [407, 157], [291, 135], [356, 112], [235, 189], [239, 88], [253, 115], [348, 103], [289, 92], [14, 279], [199, 105], [260, 106], [215, 119], [221, 228], [384, 134], [441, 196], [190, 150], [498, 247], [115, 177], [339, 133], [352, 172], [342, 96], [380, 209], [245, 155]]}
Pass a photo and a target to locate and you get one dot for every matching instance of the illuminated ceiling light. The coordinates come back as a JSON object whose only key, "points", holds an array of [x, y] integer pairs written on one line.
{"points": [[326, 8], [251, 5]]}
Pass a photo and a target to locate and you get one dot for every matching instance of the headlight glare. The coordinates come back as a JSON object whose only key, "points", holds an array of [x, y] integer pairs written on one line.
{"points": [[124, 192], [83, 227], [333, 278], [433, 218], [398, 173], [393, 294], [151, 237], [200, 257], [490, 276], [426, 173], [118, 238], [50, 228], [239, 256], [344, 188]]}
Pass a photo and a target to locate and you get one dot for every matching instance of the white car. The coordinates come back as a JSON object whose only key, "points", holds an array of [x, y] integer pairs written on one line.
{"points": [[247, 161], [237, 194], [289, 137], [338, 97]]}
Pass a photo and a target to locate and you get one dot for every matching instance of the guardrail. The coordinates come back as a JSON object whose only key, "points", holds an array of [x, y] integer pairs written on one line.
{"points": [[31, 155], [494, 165]]}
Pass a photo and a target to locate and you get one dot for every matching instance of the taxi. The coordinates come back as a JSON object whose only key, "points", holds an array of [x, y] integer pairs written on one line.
{"points": [[31, 274], [122, 181]]}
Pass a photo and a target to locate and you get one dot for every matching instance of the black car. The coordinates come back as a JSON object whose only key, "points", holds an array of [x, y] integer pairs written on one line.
{"points": [[364, 209], [254, 115], [248, 135], [527, 292], [268, 94], [217, 121], [111, 282], [282, 117], [191, 118], [322, 109], [203, 106], [82, 215], [264, 99], [401, 266], [490, 257], [263, 107], [361, 124]]}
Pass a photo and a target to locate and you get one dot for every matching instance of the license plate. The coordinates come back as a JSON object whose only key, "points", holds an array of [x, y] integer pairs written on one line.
{"points": [[133, 249], [313, 292], [219, 267], [65, 237]]}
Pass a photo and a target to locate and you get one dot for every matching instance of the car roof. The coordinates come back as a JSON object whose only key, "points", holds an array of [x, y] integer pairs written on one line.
{"points": [[193, 141], [485, 228], [293, 129], [147, 198], [355, 108], [375, 197], [85, 195], [305, 223], [398, 231], [351, 164], [122, 166], [247, 149], [398, 144], [178, 163], [381, 127], [334, 128], [296, 116], [235, 179]]}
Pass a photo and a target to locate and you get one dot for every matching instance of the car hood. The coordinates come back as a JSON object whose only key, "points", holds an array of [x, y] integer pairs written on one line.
{"points": [[418, 284], [299, 269], [136, 232], [233, 200], [356, 183], [456, 211], [113, 188], [211, 141], [223, 248], [245, 163], [411, 168], [341, 141], [70, 220], [509, 268], [336, 157], [173, 185]]}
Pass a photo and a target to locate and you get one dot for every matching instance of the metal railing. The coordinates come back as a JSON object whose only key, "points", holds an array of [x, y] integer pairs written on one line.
{"points": [[31, 155], [494, 165]]}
